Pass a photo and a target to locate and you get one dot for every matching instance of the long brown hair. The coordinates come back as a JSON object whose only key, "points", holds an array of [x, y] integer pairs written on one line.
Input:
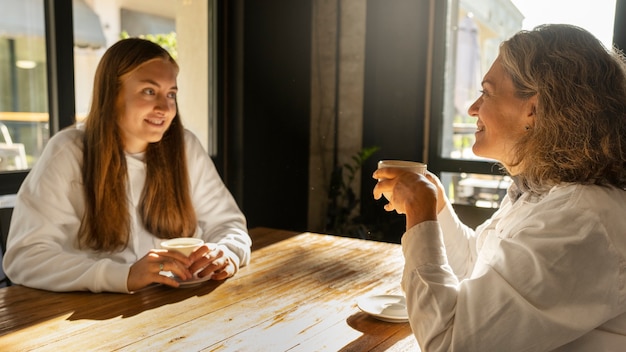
{"points": [[165, 206], [579, 132]]}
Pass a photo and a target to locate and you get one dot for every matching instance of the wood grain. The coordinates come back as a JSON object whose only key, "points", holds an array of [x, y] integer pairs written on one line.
{"points": [[298, 294]]}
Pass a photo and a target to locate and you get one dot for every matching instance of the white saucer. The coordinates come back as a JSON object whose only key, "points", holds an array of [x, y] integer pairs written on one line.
{"points": [[190, 282], [390, 308]]}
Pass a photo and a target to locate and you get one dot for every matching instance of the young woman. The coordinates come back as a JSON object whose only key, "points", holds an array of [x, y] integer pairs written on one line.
{"points": [[548, 270], [91, 213]]}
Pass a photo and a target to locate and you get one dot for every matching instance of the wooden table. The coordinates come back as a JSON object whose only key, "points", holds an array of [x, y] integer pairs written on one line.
{"points": [[298, 294]]}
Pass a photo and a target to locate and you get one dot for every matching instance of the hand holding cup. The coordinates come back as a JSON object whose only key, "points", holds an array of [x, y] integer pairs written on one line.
{"points": [[164, 265], [409, 188], [404, 165]]}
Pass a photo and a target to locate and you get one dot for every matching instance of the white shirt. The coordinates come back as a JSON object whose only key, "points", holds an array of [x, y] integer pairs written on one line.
{"points": [[41, 248], [544, 273]]}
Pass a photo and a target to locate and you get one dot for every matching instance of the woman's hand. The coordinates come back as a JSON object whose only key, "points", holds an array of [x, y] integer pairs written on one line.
{"points": [[147, 270], [418, 196], [212, 261]]}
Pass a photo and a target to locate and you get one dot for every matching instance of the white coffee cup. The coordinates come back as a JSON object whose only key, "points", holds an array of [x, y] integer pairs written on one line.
{"points": [[184, 245], [411, 166]]}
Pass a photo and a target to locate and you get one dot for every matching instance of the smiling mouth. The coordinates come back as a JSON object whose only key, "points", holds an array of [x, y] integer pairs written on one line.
{"points": [[480, 128], [157, 122]]}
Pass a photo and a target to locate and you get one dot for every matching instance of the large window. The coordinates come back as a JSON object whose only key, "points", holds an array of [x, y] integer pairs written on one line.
{"points": [[23, 87], [47, 67], [475, 28]]}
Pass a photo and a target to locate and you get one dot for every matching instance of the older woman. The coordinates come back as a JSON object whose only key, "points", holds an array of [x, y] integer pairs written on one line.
{"points": [[548, 270], [93, 210]]}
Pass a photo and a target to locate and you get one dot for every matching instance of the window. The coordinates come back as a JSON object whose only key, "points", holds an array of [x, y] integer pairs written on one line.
{"points": [[24, 126], [40, 96], [474, 30]]}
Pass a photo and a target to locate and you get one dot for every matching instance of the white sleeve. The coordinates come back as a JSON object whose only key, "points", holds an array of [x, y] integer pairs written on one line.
{"points": [[219, 216], [42, 244], [548, 282], [459, 241]]}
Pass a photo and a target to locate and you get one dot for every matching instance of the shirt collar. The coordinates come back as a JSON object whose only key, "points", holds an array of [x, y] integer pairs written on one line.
{"points": [[516, 189]]}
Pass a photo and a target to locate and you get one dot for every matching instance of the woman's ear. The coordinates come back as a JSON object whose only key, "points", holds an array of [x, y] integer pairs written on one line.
{"points": [[531, 111]]}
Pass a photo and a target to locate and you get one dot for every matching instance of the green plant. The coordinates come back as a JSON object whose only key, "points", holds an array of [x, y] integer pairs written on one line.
{"points": [[167, 41], [342, 200]]}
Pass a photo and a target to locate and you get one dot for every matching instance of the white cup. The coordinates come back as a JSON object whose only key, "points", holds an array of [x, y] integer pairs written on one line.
{"points": [[410, 166], [184, 245]]}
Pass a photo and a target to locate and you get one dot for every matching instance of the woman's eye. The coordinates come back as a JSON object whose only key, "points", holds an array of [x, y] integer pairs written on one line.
{"points": [[148, 91], [171, 95]]}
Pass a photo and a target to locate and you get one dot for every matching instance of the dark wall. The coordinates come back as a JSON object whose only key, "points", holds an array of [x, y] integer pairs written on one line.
{"points": [[394, 101], [270, 106]]}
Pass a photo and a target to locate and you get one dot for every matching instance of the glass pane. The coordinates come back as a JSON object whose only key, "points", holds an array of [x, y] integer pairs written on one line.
{"points": [[24, 127], [485, 191], [185, 28], [477, 27]]}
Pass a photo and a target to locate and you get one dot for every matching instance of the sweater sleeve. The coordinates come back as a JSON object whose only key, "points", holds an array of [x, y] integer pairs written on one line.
{"points": [[42, 244], [219, 217]]}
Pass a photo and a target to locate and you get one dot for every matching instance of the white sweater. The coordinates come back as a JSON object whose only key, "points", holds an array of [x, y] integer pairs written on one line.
{"points": [[544, 273], [41, 249]]}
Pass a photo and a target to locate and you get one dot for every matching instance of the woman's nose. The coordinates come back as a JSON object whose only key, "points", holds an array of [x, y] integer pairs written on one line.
{"points": [[163, 104], [473, 109]]}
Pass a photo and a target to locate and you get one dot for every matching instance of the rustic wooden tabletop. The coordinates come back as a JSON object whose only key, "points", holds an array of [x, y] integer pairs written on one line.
{"points": [[299, 293]]}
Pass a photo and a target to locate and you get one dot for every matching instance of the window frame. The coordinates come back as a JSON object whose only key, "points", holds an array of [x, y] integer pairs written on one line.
{"points": [[59, 36], [437, 163], [59, 63]]}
